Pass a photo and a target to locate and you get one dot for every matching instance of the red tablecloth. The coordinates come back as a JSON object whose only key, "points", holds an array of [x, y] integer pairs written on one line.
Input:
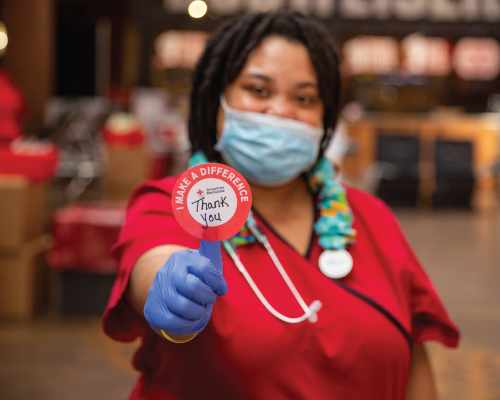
{"points": [[83, 235], [35, 161]]}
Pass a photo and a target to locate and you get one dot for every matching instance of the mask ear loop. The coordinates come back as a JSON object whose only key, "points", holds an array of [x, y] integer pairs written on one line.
{"points": [[310, 312], [223, 102]]}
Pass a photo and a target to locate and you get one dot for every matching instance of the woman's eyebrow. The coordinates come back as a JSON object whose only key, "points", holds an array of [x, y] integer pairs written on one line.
{"points": [[266, 78], [307, 84], [259, 76]]}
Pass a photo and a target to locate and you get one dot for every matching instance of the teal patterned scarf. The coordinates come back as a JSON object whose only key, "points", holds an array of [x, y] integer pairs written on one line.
{"points": [[334, 227]]}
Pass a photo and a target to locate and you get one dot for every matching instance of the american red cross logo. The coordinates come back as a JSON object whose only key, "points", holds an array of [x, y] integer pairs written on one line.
{"points": [[200, 192]]}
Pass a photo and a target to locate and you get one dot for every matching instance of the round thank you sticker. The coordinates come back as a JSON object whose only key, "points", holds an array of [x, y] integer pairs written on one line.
{"points": [[211, 201]]}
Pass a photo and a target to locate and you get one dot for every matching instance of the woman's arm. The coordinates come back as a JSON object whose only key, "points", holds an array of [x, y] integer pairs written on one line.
{"points": [[421, 382], [142, 277]]}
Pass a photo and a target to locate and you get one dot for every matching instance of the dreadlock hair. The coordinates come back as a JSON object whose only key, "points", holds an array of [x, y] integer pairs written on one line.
{"points": [[226, 53]]}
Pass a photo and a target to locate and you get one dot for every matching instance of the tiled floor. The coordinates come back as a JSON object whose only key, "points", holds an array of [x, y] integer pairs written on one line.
{"points": [[58, 358], [63, 359], [461, 253]]}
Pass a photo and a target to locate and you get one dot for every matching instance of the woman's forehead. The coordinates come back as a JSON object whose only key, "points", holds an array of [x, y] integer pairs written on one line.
{"points": [[277, 57]]}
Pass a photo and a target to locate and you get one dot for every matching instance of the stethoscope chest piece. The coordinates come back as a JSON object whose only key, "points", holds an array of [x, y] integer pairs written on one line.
{"points": [[335, 263]]}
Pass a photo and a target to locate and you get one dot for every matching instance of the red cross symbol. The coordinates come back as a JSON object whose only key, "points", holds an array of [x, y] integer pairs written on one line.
{"points": [[199, 192]]}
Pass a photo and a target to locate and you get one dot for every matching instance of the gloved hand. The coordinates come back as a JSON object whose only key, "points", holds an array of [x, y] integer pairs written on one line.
{"points": [[185, 288]]}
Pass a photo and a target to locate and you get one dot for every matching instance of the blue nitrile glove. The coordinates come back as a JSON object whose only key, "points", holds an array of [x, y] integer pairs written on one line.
{"points": [[184, 289]]}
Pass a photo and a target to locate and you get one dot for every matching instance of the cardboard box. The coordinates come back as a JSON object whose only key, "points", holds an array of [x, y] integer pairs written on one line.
{"points": [[128, 166], [23, 210], [24, 280]]}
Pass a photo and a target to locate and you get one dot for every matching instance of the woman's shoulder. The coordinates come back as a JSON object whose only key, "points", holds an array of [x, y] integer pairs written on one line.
{"points": [[164, 185], [359, 199], [372, 213], [153, 193]]}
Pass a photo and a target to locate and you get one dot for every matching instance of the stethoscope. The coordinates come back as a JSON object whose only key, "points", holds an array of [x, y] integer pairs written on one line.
{"points": [[333, 263]]}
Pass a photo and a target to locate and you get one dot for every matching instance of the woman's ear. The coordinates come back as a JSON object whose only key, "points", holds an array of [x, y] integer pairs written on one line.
{"points": [[220, 122]]}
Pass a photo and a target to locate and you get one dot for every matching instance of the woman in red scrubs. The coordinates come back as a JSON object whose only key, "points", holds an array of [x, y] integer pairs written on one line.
{"points": [[265, 100]]}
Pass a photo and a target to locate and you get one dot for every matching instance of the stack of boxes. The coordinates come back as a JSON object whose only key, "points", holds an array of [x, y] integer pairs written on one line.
{"points": [[77, 251], [23, 242], [25, 168], [127, 156]]}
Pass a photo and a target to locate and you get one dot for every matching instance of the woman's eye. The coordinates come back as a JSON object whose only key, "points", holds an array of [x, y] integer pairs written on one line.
{"points": [[259, 91], [306, 100]]}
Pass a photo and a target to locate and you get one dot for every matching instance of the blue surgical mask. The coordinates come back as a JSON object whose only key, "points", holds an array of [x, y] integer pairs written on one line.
{"points": [[266, 149]]}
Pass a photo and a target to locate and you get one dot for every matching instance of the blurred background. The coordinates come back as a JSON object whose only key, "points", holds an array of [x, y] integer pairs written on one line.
{"points": [[93, 100]]}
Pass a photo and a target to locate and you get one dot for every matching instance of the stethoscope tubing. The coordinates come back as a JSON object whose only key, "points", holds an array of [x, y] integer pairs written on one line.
{"points": [[310, 312]]}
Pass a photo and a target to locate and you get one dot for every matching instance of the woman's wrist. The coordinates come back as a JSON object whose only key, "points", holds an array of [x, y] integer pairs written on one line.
{"points": [[178, 338]]}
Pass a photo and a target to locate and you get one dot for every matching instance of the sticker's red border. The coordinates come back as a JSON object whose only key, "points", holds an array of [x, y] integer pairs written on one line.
{"points": [[213, 170]]}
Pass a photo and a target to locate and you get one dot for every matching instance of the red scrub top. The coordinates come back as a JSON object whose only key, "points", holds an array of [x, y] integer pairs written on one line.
{"points": [[360, 347]]}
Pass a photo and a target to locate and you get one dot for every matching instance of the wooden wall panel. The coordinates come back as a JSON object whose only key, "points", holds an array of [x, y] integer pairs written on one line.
{"points": [[30, 53]]}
